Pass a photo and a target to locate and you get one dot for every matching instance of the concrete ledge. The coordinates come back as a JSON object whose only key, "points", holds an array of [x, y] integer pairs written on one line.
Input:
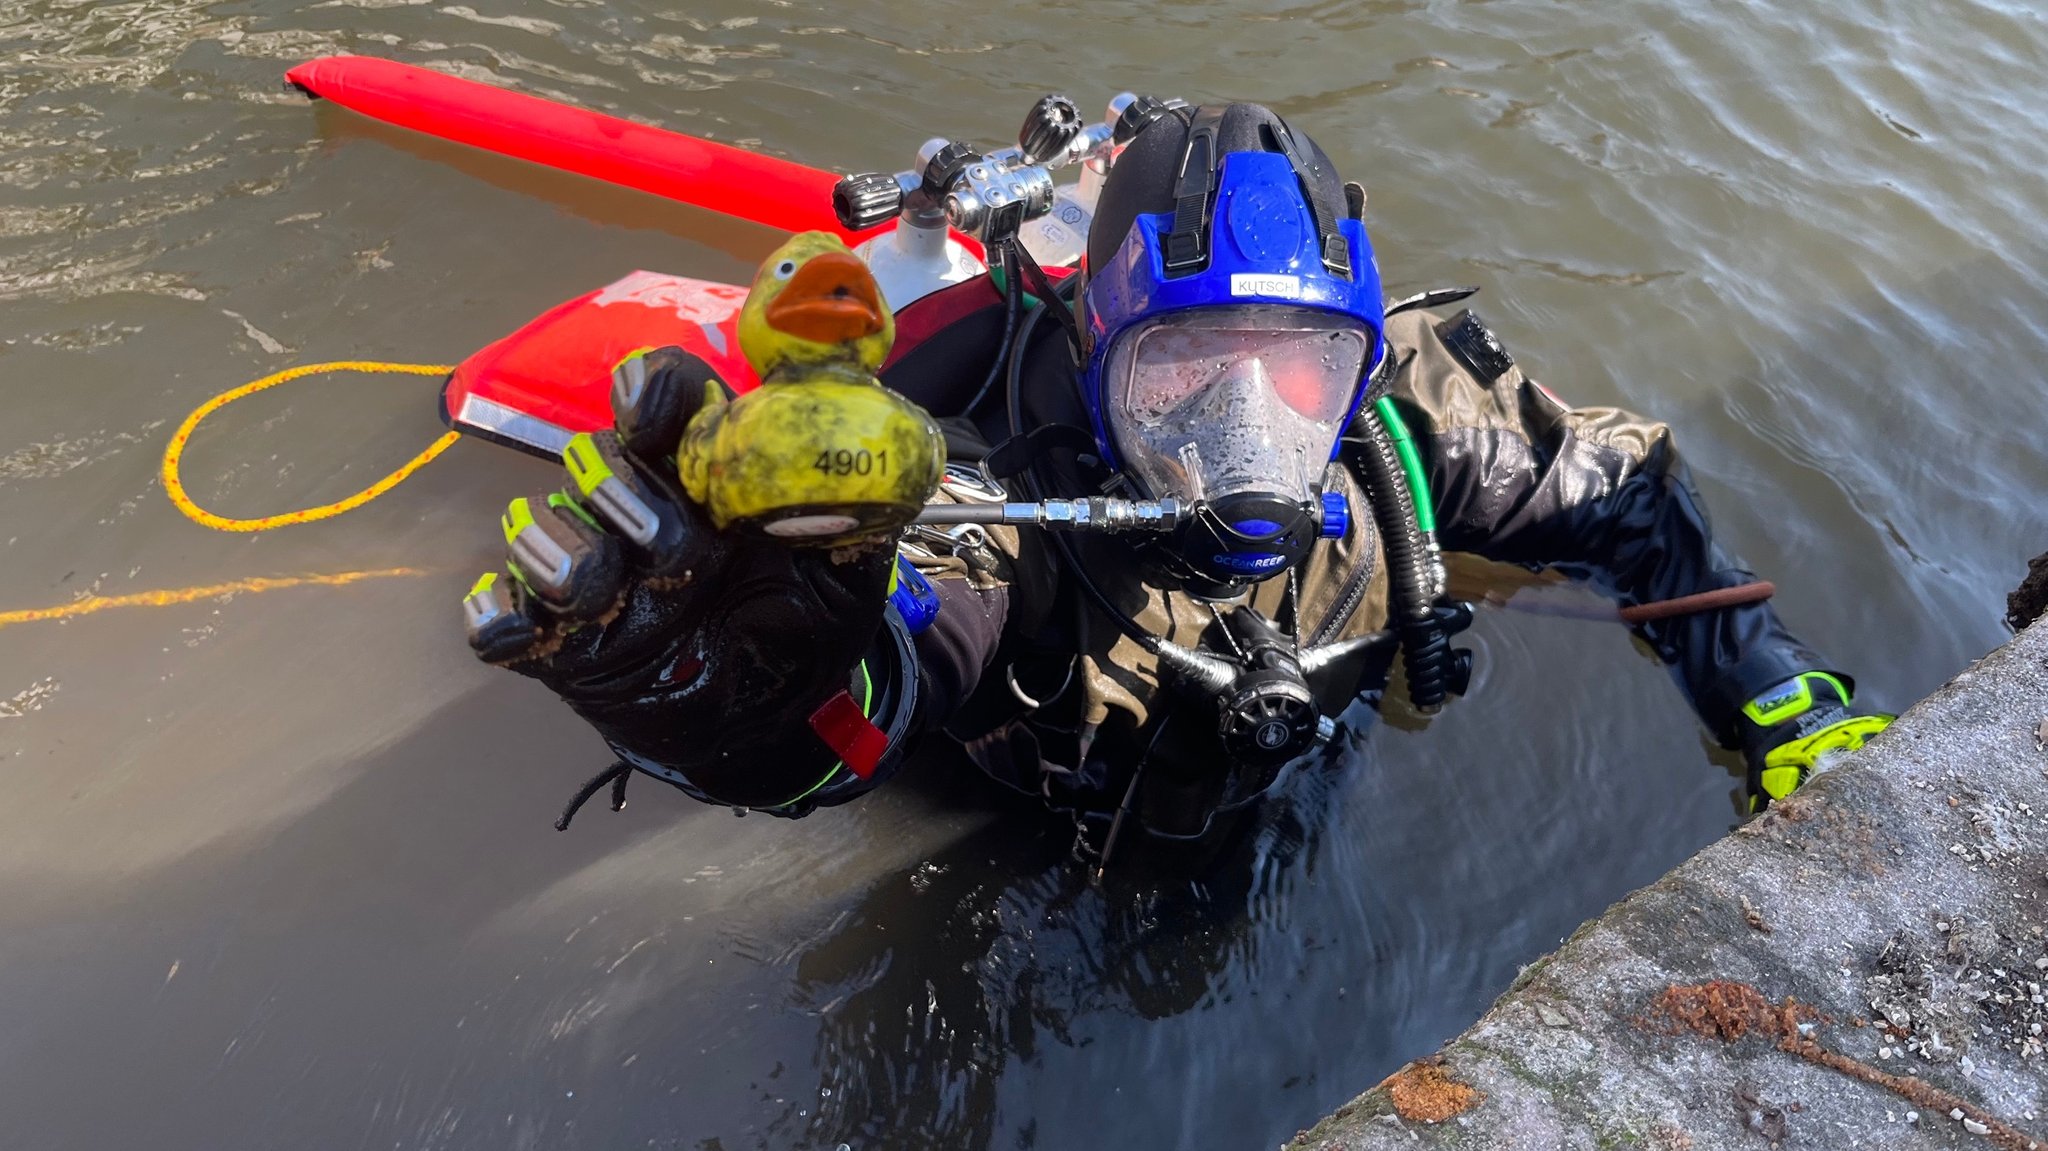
{"points": [[1902, 902]]}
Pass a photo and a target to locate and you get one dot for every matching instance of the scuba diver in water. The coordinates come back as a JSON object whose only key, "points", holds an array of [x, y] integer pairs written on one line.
{"points": [[1224, 373]]}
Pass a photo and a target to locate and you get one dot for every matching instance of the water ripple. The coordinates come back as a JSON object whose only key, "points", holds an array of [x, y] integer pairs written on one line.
{"points": [[1810, 237]]}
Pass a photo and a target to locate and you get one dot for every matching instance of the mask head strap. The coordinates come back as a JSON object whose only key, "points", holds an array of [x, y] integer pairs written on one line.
{"points": [[1187, 244], [1335, 252], [1194, 196]]}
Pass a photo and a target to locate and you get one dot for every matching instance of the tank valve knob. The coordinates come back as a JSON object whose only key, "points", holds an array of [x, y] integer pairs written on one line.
{"points": [[1050, 126], [1139, 113], [943, 170], [866, 200]]}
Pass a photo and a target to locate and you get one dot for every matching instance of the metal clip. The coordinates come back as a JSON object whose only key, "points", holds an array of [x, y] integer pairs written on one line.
{"points": [[974, 484]]}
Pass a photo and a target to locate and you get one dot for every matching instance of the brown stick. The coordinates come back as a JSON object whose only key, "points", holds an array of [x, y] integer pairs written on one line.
{"points": [[1700, 601]]}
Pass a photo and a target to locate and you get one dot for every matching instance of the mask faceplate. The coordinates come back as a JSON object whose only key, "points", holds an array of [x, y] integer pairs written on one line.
{"points": [[1216, 402]]}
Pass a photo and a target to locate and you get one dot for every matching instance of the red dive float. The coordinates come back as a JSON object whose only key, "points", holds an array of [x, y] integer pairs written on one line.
{"points": [[766, 190], [544, 382], [536, 387]]}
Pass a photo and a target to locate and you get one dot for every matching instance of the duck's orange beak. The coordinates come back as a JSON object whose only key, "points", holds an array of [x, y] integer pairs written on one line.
{"points": [[832, 299]]}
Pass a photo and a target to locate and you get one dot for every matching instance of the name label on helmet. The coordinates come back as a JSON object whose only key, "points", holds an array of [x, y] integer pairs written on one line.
{"points": [[1286, 287]]}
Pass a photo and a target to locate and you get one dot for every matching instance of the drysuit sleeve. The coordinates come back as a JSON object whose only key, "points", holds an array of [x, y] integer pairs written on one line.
{"points": [[959, 645], [973, 572], [1597, 494]]}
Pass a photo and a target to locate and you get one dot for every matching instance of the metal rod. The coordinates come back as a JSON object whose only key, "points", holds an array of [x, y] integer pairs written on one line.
{"points": [[1099, 513]]}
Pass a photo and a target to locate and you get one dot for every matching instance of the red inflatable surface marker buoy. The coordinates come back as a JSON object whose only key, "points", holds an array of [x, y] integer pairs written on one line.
{"points": [[546, 381], [550, 379], [763, 189]]}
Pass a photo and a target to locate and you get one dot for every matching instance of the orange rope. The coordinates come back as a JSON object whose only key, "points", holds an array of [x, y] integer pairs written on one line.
{"points": [[173, 596]]}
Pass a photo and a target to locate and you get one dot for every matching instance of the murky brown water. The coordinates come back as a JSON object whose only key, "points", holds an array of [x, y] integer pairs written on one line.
{"points": [[277, 871]]}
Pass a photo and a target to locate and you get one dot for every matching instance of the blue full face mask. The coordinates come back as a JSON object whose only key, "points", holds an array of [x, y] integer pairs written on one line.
{"points": [[1230, 343]]}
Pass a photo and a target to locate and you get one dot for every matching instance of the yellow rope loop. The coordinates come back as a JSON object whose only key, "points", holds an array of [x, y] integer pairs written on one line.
{"points": [[175, 451]]}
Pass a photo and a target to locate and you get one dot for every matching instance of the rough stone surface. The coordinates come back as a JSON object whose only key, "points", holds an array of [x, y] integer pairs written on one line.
{"points": [[1903, 897], [2029, 600]]}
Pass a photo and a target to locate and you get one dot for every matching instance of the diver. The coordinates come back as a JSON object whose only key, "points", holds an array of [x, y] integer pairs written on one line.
{"points": [[1225, 359]]}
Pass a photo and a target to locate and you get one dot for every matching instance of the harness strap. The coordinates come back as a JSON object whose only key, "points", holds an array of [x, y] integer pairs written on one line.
{"points": [[1049, 297]]}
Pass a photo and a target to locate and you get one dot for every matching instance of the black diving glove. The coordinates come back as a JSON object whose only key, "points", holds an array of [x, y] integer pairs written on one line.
{"points": [[1793, 731], [703, 658]]}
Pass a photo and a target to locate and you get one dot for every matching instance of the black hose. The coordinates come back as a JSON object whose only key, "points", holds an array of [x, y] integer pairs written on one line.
{"points": [[1029, 477], [616, 775], [1426, 655], [1013, 307], [1014, 397], [1014, 366]]}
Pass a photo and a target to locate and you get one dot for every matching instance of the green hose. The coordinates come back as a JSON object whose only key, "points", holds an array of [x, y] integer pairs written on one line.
{"points": [[1411, 463]]}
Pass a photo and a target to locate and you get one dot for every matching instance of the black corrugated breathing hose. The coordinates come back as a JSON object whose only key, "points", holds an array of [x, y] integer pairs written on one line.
{"points": [[1413, 570]]}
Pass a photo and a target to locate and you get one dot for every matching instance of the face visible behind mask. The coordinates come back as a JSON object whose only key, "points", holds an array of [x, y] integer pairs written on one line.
{"points": [[1217, 402], [1235, 411]]}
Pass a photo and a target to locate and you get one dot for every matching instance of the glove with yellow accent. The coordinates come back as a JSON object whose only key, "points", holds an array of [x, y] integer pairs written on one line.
{"points": [[1794, 731], [698, 655]]}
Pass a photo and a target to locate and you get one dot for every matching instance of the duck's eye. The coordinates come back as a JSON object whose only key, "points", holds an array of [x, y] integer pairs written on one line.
{"points": [[785, 269]]}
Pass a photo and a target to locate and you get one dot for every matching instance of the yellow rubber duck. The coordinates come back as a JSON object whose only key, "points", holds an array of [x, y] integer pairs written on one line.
{"points": [[821, 453]]}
